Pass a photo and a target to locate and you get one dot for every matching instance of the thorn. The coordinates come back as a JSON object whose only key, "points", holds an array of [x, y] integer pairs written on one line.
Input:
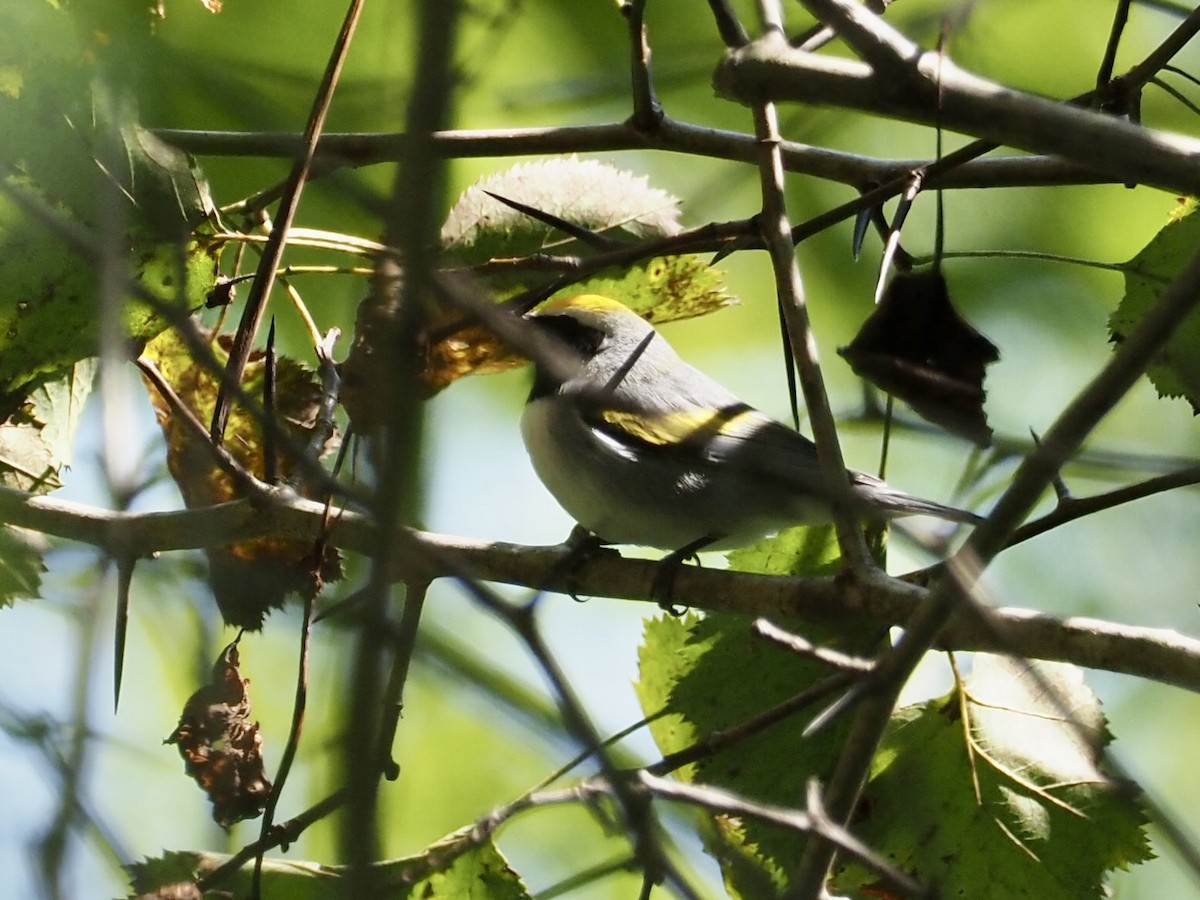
{"points": [[270, 450], [1061, 491], [586, 235], [124, 580], [861, 223]]}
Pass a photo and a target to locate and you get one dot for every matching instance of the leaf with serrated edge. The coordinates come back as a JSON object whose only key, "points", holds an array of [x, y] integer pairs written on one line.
{"points": [[455, 867], [713, 673], [49, 314], [584, 192], [1022, 811], [611, 202], [21, 565], [36, 440], [1175, 371]]}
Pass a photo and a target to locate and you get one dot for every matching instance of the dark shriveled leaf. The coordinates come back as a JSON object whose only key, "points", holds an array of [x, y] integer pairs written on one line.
{"points": [[916, 346], [221, 748]]}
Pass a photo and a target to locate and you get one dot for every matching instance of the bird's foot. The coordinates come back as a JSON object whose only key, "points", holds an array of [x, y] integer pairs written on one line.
{"points": [[581, 546], [662, 589]]}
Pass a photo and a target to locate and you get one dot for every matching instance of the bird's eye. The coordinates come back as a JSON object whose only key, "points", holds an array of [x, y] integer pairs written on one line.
{"points": [[582, 338]]}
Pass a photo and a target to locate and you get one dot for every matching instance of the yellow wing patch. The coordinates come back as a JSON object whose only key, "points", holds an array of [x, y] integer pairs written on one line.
{"points": [[674, 428]]}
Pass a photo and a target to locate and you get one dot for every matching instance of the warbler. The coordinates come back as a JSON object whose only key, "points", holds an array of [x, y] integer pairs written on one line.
{"points": [[640, 447]]}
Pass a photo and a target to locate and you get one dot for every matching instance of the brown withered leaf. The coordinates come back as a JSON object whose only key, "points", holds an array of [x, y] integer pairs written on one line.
{"points": [[251, 578], [917, 347], [220, 747]]}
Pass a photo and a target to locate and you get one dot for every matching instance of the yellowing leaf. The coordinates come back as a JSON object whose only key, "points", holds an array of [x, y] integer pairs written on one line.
{"points": [[249, 578], [614, 205]]}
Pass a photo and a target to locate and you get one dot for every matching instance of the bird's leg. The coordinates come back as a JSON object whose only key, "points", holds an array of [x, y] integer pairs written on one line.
{"points": [[668, 567], [581, 545]]}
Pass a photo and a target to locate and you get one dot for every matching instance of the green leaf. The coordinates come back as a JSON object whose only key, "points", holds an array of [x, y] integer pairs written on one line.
{"points": [[662, 289], [455, 867], [36, 440], [713, 673], [619, 206], [584, 192], [1175, 371], [59, 404], [76, 161], [21, 565], [36, 443], [804, 550], [1022, 810]]}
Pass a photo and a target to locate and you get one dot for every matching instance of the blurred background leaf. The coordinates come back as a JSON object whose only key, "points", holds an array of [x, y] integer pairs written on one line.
{"points": [[254, 67]]}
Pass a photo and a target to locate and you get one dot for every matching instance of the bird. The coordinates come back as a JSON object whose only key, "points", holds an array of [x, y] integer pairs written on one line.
{"points": [[641, 448]]}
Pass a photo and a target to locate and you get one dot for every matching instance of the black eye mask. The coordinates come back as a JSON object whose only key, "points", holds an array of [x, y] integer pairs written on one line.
{"points": [[583, 339]]}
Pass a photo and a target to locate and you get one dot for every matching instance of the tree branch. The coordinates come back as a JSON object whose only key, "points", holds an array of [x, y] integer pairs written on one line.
{"points": [[1157, 654], [364, 149], [939, 92]]}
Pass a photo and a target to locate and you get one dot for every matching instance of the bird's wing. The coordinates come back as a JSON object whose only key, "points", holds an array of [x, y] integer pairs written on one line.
{"points": [[759, 448], [686, 427], [758, 443], [737, 433]]}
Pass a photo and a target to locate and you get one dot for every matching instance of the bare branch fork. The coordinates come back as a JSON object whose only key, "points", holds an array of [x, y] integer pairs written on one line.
{"points": [[900, 81]]}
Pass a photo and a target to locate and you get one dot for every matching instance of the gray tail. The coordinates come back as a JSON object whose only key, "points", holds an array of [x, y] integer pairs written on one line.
{"points": [[891, 502]]}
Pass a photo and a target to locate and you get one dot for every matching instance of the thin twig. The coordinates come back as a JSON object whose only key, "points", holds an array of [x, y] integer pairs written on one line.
{"points": [[1160, 57], [670, 136], [728, 24], [268, 264], [889, 53], [637, 815], [281, 835], [726, 802], [777, 235], [716, 741], [647, 111], [403, 649], [243, 480], [801, 646], [1077, 507], [1120, 20], [299, 705]]}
